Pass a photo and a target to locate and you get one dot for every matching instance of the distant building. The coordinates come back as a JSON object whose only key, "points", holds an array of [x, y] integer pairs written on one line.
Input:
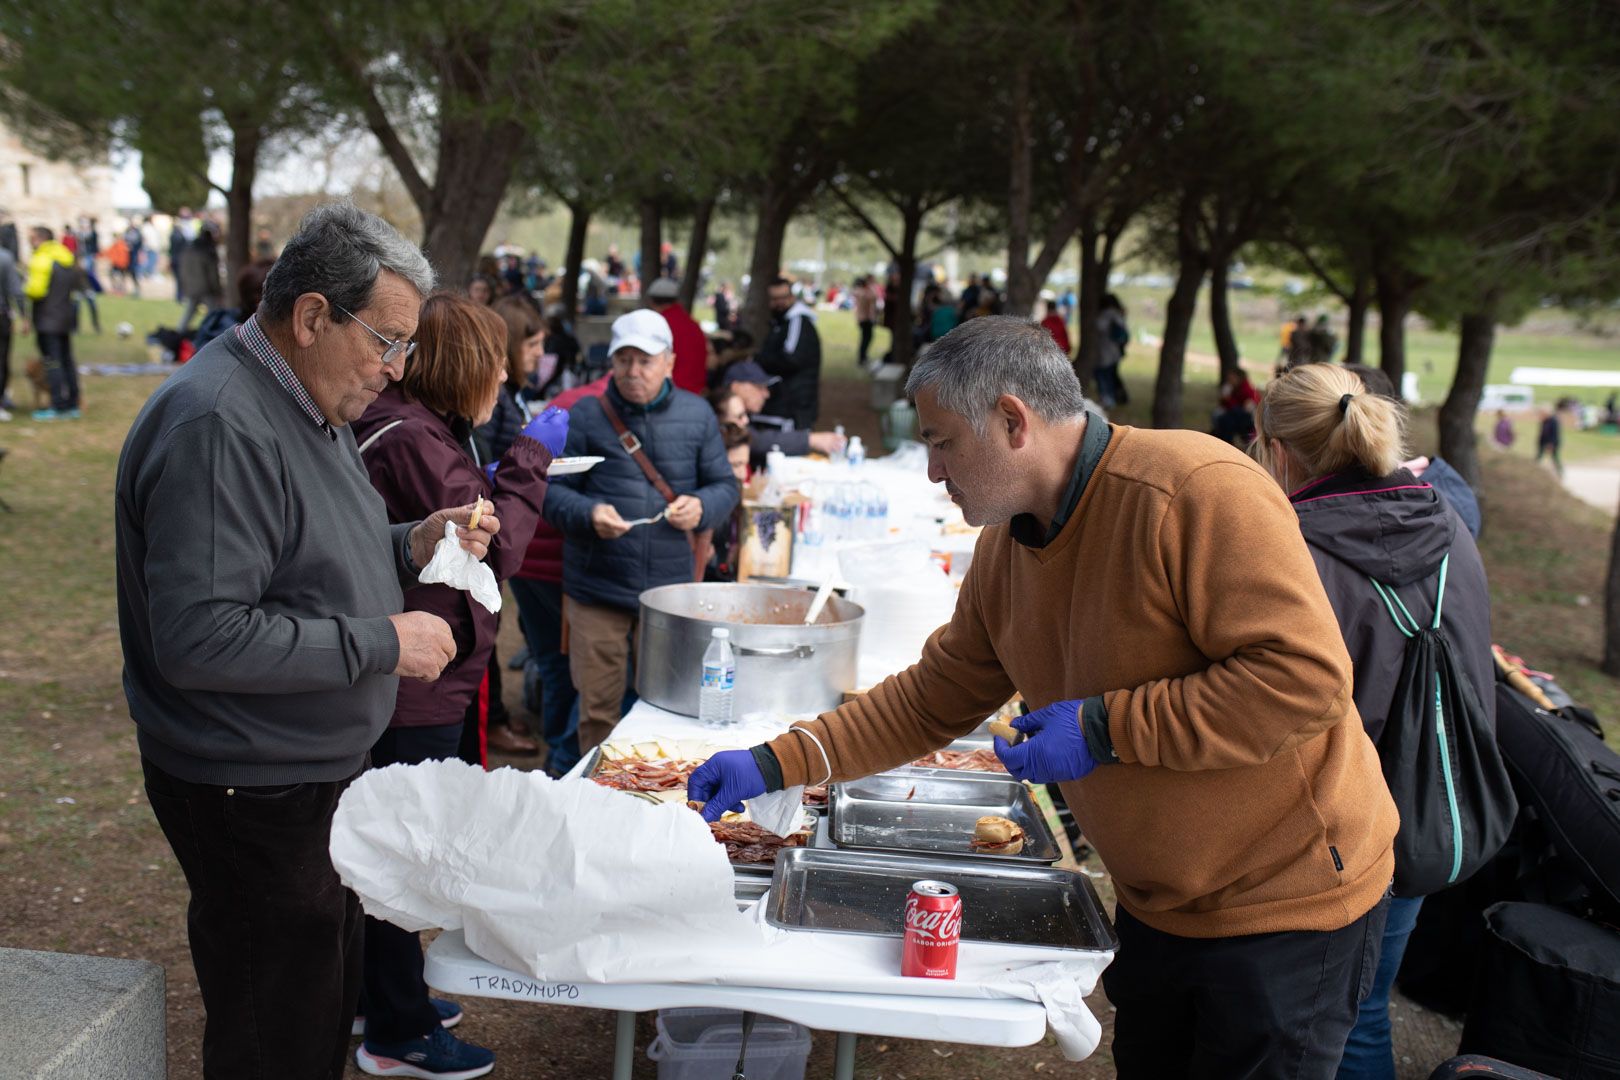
{"points": [[37, 191]]}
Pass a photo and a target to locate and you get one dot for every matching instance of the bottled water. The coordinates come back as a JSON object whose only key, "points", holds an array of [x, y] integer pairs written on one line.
{"points": [[874, 512], [856, 452], [841, 455], [719, 681]]}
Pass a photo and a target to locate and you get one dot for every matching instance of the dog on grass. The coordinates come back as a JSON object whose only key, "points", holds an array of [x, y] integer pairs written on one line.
{"points": [[35, 371]]}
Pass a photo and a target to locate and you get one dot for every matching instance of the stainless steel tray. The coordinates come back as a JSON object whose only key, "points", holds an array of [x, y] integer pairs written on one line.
{"points": [[934, 816], [851, 892]]}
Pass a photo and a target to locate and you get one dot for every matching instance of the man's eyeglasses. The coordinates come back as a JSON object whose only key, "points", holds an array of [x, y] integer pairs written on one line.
{"points": [[396, 350]]}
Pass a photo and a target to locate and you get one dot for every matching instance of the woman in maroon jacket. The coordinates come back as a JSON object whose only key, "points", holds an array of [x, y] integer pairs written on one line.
{"points": [[416, 441]]}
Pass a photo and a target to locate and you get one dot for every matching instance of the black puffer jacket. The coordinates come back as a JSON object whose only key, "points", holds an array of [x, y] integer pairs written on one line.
{"points": [[1396, 529], [682, 437]]}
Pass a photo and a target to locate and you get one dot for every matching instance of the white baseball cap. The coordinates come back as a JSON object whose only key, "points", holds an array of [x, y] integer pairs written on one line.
{"points": [[643, 329]]}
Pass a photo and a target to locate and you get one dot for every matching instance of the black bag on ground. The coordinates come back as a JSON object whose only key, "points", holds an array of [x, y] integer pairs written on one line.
{"points": [[1569, 778], [1548, 993], [1559, 766], [1440, 760]]}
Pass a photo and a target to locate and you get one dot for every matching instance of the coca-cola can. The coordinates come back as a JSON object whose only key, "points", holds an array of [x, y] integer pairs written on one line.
{"points": [[933, 929]]}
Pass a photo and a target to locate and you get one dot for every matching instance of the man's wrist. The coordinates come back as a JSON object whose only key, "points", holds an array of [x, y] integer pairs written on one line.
{"points": [[409, 553], [1094, 726], [769, 767]]}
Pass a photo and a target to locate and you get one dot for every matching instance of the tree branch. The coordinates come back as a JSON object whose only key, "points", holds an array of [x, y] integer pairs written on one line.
{"points": [[371, 106], [1319, 270], [860, 215]]}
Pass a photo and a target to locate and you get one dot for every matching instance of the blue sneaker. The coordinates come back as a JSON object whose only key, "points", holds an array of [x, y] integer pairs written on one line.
{"points": [[43, 415], [439, 1056], [449, 1016], [73, 414]]}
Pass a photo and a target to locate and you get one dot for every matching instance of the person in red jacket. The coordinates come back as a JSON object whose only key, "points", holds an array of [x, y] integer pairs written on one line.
{"points": [[548, 687], [692, 350], [416, 442], [1054, 322]]}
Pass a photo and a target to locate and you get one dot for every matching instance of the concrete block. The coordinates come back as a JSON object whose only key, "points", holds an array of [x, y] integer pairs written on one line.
{"points": [[72, 1017]]}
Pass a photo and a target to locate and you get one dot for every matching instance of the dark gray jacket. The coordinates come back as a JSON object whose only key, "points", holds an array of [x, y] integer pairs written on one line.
{"points": [[256, 574], [682, 437], [1397, 529]]}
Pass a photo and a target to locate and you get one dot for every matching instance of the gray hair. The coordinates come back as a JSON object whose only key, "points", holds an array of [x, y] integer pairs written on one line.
{"points": [[970, 368], [338, 252]]}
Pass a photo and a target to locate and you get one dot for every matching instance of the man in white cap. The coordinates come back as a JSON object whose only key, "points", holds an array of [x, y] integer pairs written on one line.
{"points": [[639, 519]]}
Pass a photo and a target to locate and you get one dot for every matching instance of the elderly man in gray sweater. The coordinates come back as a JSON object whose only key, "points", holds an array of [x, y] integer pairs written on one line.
{"points": [[260, 606]]}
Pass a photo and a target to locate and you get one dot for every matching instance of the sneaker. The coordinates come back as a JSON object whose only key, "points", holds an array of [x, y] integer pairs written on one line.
{"points": [[43, 415], [5, 417], [439, 1056], [73, 414], [449, 1016]]}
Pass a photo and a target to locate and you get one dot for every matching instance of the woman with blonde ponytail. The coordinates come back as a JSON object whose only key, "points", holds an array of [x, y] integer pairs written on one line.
{"points": [[1336, 449]]}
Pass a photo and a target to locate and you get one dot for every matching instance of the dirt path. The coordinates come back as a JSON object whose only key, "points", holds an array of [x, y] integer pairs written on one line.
{"points": [[1595, 482]]}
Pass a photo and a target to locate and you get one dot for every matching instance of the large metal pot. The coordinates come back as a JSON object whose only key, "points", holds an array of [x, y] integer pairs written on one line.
{"points": [[783, 666]]}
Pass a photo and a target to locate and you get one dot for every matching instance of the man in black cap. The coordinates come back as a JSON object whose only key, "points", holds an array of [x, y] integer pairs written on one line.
{"points": [[747, 382], [792, 351]]}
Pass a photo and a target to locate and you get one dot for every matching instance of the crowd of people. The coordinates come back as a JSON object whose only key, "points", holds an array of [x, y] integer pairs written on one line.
{"points": [[1218, 706]]}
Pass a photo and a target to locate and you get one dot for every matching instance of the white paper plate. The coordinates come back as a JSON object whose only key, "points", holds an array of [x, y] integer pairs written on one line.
{"points": [[567, 466]]}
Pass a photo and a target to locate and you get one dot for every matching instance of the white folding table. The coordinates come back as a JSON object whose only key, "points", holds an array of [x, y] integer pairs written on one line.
{"points": [[455, 969]]}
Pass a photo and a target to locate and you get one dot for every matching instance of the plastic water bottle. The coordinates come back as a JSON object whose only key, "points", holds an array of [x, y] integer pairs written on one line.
{"points": [[841, 455], [719, 681], [874, 511], [856, 452]]}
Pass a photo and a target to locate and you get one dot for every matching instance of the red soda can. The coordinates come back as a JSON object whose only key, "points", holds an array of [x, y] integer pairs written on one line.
{"points": [[933, 929]]}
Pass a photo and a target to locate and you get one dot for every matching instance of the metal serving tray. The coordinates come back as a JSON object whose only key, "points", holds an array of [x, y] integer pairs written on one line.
{"points": [[851, 892], [934, 816]]}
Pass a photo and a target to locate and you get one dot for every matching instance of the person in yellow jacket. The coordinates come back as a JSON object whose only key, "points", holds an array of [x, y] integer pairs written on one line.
{"points": [[53, 274]]}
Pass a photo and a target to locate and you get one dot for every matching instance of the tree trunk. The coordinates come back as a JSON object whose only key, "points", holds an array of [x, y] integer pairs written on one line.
{"points": [[901, 347], [579, 224], [1220, 316], [1020, 299], [652, 241], [1093, 283], [1458, 444], [474, 172], [1394, 301], [1611, 608], [245, 143], [1178, 318], [696, 251], [1355, 335], [776, 206]]}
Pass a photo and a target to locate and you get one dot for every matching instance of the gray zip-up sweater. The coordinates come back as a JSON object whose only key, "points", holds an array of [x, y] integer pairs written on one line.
{"points": [[256, 572]]}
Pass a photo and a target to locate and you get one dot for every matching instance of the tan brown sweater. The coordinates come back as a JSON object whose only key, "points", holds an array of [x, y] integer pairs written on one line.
{"points": [[1247, 798]]}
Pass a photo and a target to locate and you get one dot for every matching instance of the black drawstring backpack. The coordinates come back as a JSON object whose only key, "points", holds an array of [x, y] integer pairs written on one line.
{"points": [[1440, 760]]}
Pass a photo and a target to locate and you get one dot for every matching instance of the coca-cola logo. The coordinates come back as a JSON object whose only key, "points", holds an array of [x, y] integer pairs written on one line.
{"points": [[935, 924]]}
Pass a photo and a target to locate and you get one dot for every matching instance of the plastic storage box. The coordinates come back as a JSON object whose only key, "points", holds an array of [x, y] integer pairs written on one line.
{"points": [[702, 1044]]}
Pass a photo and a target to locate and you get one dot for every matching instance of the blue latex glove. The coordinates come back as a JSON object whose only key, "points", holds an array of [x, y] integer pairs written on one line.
{"points": [[1056, 749], [724, 781], [549, 429], [489, 471]]}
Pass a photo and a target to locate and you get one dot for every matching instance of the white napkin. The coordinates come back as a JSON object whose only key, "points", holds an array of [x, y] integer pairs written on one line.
{"points": [[778, 812], [454, 565]]}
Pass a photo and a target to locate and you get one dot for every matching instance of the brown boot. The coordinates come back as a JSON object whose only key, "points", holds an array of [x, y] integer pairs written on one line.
{"points": [[503, 740]]}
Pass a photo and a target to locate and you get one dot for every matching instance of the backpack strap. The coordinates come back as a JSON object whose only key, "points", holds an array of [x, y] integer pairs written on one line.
{"points": [[1392, 601], [385, 429]]}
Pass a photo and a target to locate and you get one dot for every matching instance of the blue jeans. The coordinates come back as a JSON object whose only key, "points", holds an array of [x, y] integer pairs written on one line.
{"points": [[1369, 1053], [540, 615]]}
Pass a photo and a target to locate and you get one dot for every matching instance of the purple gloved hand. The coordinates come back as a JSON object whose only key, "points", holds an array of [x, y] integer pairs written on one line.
{"points": [[724, 781], [549, 429], [489, 471], [1056, 749]]}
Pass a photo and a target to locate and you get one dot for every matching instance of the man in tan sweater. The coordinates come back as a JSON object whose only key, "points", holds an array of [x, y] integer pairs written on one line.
{"points": [[1150, 595]]}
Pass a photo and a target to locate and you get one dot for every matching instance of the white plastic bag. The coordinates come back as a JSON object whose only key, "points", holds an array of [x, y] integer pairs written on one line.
{"points": [[454, 565]]}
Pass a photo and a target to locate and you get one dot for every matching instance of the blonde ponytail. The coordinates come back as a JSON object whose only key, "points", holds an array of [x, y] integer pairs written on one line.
{"points": [[1330, 421]]}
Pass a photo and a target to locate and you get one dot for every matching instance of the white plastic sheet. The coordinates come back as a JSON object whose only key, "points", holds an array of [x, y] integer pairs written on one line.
{"points": [[570, 881]]}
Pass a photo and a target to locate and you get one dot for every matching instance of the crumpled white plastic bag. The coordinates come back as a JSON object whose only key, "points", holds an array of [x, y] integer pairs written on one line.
{"points": [[560, 879], [454, 565]]}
